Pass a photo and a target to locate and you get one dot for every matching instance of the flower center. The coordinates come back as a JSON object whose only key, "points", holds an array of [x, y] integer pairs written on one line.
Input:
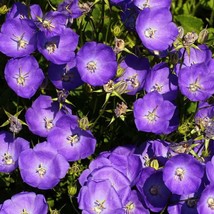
{"points": [[24, 211], [21, 78], [48, 123], [50, 47], [193, 87], [91, 66], [157, 88], [41, 170], [154, 190], [99, 206], [150, 33], [21, 43], [129, 207], [151, 116], [179, 174], [47, 24], [7, 159], [134, 81], [210, 203], [73, 139]]}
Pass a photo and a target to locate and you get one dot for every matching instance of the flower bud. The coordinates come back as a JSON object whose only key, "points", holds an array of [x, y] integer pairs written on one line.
{"points": [[190, 38], [180, 32], [84, 123], [15, 125], [120, 109], [119, 45], [72, 190], [203, 36]]}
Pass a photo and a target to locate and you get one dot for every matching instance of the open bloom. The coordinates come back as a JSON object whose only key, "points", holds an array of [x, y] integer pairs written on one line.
{"points": [[42, 166], [156, 29], [96, 63], [25, 202], [153, 114], [10, 150], [182, 174], [196, 82], [18, 37], [42, 116], [23, 76]]}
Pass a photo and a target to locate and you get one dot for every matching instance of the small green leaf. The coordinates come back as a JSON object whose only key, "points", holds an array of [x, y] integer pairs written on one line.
{"points": [[190, 23]]}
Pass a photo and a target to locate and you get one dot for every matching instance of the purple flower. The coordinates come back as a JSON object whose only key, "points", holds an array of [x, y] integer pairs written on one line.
{"points": [[58, 48], [17, 11], [25, 202], [70, 140], [42, 166], [161, 80], [134, 73], [205, 203], [153, 190], [153, 114], [156, 29], [70, 8], [24, 76], [42, 116], [182, 174], [196, 82], [64, 76], [18, 37], [93, 62], [142, 4], [52, 23], [99, 197], [10, 150]]}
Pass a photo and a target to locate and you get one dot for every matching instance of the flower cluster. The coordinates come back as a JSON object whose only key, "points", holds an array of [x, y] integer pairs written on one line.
{"points": [[106, 107]]}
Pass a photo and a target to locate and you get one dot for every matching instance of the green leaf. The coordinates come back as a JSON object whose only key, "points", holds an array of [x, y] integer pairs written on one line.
{"points": [[56, 2], [189, 23]]}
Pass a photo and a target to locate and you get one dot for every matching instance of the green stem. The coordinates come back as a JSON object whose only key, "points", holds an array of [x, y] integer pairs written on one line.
{"points": [[72, 203]]}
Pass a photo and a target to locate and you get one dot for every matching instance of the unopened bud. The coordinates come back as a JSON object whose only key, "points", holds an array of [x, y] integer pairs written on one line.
{"points": [[190, 38], [72, 190], [121, 87], [203, 36], [84, 123], [116, 30]]}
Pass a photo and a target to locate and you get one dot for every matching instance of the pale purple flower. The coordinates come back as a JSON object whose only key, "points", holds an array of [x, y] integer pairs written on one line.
{"points": [[156, 29], [23, 76], [142, 4], [153, 114], [42, 116], [99, 197], [93, 62], [182, 174], [70, 140], [42, 166], [25, 202], [18, 37], [10, 150]]}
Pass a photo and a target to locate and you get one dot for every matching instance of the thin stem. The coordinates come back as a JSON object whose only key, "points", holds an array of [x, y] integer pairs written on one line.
{"points": [[72, 203]]}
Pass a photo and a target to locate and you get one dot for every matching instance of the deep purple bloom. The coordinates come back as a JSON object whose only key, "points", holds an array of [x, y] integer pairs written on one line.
{"points": [[58, 48], [64, 76], [196, 82], [156, 29], [182, 174], [42, 166], [18, 37], [25, 202], [10, 150], [42, 116], [142, 4], [17, 11], [161, 80], [99, 197], [134, 73], [70, 140], [153, 190], [24, 76], [153, 114], [96, 63], [205, 203]]}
